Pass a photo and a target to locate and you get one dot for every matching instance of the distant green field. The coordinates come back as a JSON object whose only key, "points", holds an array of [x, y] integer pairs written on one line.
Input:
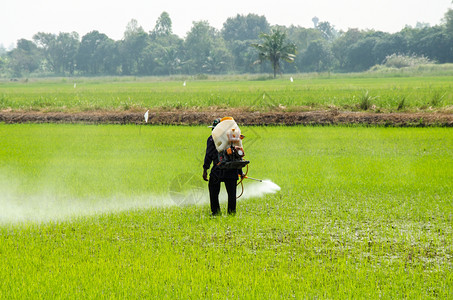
{"points": [[362, 212], [305, 93]]}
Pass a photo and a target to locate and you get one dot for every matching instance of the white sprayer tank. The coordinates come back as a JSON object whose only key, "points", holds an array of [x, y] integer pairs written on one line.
{"points": [[225, 133]]}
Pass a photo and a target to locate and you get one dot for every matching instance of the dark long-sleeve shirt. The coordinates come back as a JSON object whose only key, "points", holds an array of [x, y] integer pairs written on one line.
{"points": [[212, 156]]}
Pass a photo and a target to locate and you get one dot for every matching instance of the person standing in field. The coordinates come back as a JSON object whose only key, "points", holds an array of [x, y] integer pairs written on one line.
{"points": [[217, 175]]}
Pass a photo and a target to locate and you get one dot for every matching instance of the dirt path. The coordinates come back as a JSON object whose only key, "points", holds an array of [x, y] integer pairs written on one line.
{"points": [[192, 117]]}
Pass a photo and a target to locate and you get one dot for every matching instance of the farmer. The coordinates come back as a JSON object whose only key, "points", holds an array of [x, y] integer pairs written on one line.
{"points": [[228, 176]]}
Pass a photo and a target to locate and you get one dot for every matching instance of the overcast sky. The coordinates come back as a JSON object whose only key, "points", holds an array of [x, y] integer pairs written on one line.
{"points": [[23, 18]]}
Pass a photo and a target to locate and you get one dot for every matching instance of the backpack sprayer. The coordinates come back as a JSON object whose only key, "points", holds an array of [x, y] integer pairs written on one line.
{"points": [[228, 142]]}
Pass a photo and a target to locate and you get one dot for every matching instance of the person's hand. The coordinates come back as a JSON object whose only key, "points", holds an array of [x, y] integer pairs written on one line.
{"points": [[205, 175]]}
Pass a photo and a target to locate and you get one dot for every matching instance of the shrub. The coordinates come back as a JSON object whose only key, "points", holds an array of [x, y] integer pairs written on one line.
{"points": [[402, 61], [365, 101]]}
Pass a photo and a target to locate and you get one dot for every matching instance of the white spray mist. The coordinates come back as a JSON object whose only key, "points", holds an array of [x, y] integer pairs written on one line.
{"points": [[49, 206], [259, 189]]}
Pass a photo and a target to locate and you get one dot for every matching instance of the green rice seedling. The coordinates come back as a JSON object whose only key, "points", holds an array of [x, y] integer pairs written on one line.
{"points": [[362, 212]]}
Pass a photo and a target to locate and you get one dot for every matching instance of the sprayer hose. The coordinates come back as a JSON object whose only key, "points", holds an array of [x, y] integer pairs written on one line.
{"points": [[242, 183]]}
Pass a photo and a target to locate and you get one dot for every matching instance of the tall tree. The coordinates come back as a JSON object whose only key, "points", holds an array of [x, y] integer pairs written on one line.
{"points": [[168, 60], [60, 50], [275, 48], [443, 50], [328, 31], [239, 32], [90, 56], [360, 56], [46, 42], [66, 48], [2, 50], [108, 53], [132, 46], [164, 52], [302, 38], [204, 45], [242, 28], [163, 26], [318, 57], [449, 22], [24, 58], [340, 47]]}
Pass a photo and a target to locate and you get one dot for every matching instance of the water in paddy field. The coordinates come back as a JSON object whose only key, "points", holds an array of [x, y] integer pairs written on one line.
{"points": [[48, 206]]}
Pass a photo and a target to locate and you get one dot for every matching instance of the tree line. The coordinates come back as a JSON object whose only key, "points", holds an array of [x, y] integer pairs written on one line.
{"points": [[232, 49]]}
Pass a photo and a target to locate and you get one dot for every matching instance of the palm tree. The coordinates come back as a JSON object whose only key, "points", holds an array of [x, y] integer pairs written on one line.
{"points": [[274, 49]]}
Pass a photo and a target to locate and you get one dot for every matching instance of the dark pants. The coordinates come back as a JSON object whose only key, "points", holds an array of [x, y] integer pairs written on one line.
{"points": [[214, 189]]}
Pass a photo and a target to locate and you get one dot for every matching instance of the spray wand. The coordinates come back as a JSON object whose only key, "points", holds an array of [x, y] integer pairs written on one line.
{"points": [[251, 178], [247, 177]]}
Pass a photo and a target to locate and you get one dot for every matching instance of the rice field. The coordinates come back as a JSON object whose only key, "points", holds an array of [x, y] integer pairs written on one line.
{"points": [[383, 94], [87, 212]]}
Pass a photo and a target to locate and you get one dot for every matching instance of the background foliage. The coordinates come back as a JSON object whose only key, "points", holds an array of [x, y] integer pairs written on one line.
{"points": [[206, 50]]}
